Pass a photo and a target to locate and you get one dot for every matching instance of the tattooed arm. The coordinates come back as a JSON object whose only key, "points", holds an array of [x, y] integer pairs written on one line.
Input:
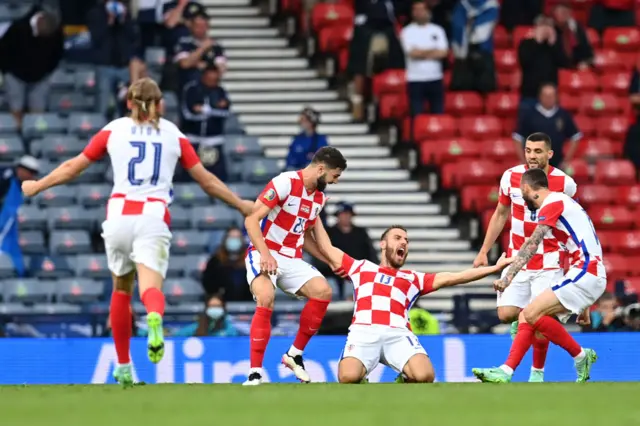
{"points": [[526, 252]]}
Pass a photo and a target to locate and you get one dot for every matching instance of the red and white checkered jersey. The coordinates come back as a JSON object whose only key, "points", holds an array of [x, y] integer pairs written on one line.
{"points": [[293, 211], [573, 228], [383, 296], [524, 221], [143, 159]]}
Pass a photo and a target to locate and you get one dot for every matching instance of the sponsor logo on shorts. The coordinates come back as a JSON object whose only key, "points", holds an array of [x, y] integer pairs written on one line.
{"points": [[270, 195]]}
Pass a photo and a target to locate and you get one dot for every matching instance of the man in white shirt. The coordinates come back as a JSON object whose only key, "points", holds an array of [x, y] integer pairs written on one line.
{"points": [[425, 46]]}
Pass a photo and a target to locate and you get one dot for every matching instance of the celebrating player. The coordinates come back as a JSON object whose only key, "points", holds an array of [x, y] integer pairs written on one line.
{"points": [[574, 293], [288, 207], [545, 267], [380, 329], [144, 150]]}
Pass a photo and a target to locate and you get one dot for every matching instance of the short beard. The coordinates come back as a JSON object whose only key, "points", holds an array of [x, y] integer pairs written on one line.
{"points": [[321, 184], [389, 253]]}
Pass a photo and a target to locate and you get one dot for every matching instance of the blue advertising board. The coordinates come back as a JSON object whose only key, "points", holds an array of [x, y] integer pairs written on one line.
{"points": [[226, 360]]}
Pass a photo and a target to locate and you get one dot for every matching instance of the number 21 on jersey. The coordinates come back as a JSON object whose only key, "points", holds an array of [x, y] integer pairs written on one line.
{"points": [[140, 158]]}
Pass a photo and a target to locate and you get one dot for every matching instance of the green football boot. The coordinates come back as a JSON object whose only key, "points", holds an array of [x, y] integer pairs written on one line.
{"points": [[155, 337], [122, 374], [583, 367], [491, 375], [536, 376]]}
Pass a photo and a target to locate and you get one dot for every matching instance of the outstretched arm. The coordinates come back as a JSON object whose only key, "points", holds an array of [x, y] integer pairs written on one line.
{"points": [[332, 255], [526, 252], [62, 174], [311, 247], [214, 187], [448, 279]]}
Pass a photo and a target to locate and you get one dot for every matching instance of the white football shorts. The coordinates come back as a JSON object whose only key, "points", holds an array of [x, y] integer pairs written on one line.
{"points": [[140, 239], [373, 344], [526, 285], [292, 273], [578, 290]]}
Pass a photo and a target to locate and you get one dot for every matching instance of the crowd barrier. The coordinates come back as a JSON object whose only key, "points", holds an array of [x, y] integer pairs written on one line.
{"points": [[226, 360]]}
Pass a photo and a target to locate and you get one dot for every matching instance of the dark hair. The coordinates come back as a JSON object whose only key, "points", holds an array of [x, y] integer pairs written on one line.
{"points": [[540, 137], [386, 231], [606, 296], [331, 157], [546, 84], [223, 255], [535, 178]]}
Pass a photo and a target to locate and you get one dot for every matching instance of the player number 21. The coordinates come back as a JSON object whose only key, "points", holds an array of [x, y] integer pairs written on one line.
{"points": [[140, 157]]}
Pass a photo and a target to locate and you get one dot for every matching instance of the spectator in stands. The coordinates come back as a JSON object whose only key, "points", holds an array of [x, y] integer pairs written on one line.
{"points": [[10, 201], [607, 316], [212, 322], [612, 13], [374, 37], [515, 13], [540, 59], [632, 317], [307, 142], [161, 20], [549, 118], [573, 38], [195, 52], [425, 46], [30, 50], [632, 140], [205, 108], [472, 26], [225, 273], [114, 45], [351, 239]]}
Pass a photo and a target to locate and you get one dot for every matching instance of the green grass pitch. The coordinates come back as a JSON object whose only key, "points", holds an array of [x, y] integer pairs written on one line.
{"points": [[470, 404]]}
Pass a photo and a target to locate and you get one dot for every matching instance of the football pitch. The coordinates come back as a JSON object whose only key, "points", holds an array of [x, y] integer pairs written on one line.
{"points": [[322, 404]]}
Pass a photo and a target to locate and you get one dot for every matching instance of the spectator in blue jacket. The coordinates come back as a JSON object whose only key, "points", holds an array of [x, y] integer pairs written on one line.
{"points": [[212, 322], [307, 142], [205, 108]]}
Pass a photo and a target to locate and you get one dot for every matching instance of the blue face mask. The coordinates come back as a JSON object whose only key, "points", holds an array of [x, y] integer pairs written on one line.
{"points": [[233, 244], [215, 312]]}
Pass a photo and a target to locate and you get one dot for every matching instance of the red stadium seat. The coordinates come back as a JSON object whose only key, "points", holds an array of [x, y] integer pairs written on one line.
{"points": [[464, 103], [608, 239], [481, 127], [611, 217], [593, 148], [448, 151], [333, 39], [509, 124], [629, 195], [520, 33], [577, 82], [590, 195], [596, 104], [343, 59], [479, 198], [578, 170], [292, 7], [614, 128], [629, 243], [607, 60], [506, 60], [393, 106], [433, 127], [502, 104], [509, 81], [326, 15], [457, 175], [615, 172], [389, 81], [500, 150], [594, 38], [616, 82], [586, 125], [621, 39], [570, 102], [617, 266], [501, 39]]}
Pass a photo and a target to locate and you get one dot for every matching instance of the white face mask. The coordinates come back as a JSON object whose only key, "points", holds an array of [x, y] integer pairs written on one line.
{"points": [[215, 312]]}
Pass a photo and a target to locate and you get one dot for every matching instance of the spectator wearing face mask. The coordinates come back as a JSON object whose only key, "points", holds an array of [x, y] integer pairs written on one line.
{"points": [[212, 322], [225, 272], [305, 144], [607, 316]]}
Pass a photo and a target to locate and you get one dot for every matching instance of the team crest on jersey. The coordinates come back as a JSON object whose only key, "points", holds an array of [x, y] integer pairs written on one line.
{"points": [[270, 195], [305, 209]]}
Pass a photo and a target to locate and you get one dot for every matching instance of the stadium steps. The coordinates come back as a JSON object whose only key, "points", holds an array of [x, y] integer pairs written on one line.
{"points": [[269, 83]]}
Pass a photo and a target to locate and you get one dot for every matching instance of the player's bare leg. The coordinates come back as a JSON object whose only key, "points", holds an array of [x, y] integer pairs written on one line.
{"points": [[351, 371], [260, 332], [318, 294], [150, 287], [120, 319], [419, 370]]}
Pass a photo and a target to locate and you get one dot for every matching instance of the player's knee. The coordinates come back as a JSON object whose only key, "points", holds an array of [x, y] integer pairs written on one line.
{"points": [[530, 315], [426, 376], [507, 315], [349, 376], [317, 288]]}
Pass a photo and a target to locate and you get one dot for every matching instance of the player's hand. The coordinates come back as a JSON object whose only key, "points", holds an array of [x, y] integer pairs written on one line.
{"points": [[584, 318], [268, 264], [246, 207], [504, 261], [339, 271], [30, 188], [501, 284], [481, 260]]}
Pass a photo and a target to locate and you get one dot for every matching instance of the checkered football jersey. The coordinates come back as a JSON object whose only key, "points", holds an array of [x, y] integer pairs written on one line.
{"points": [[383, 296], [524, 221], [293, 211]]}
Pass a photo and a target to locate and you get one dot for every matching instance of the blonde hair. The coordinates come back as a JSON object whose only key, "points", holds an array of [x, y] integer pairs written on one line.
{"points": [[145, 96]]}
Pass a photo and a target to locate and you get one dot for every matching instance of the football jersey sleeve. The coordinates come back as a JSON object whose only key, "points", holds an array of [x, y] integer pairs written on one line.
{"points": [[97, 146], [550, 213], [188, 156], [570, 186], [505, 189], [276, 191], [425, 282]]}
